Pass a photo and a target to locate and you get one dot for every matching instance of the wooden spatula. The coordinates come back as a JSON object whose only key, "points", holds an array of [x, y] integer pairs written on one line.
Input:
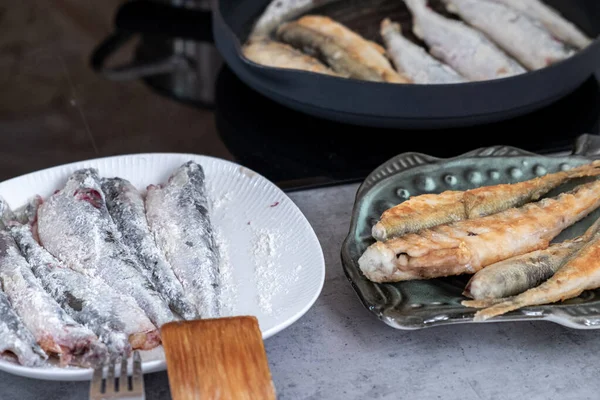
{"points": [[222, 358]]}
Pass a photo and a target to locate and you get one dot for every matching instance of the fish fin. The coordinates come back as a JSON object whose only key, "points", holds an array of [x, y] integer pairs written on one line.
{"points": [[483, 303]]}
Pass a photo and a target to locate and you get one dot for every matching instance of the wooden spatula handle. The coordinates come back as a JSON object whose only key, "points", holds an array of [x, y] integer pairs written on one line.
{"points": [[221, 358]]}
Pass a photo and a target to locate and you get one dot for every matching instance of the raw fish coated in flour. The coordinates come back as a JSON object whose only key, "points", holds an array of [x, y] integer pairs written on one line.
{"points": [[55, 331], [126, 206], [119, 322], [179, 218], [16, 339], [74, 226]]}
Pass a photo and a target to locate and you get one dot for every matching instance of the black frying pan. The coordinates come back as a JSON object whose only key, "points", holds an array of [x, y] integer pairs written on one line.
{"points": [[403, 106], [371, 103]]}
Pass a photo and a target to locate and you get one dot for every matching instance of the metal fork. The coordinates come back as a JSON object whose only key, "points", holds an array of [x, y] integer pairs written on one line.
{"points": [[124, 388]]}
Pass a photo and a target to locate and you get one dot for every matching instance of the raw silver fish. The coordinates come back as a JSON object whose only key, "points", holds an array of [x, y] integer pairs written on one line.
{"points": [[119, 323], [126, 207], [580, 272], [178, 215], [55, 331], [468, 51], [279, 11], [6, 214], [552, 20], [465, 247], [413, 61], [345, 51], [280, 55], [74, 226], [16, 339], [519, 35]]}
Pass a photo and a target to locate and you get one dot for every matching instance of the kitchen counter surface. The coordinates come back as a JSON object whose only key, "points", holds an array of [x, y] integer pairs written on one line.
{"points": [[339, 350]]}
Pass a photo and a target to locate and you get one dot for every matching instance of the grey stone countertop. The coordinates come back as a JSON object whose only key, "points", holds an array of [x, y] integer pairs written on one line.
{"points": [[339, 350]]}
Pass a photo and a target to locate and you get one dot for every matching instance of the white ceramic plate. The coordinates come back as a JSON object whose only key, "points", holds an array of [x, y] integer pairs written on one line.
{"points": [[273, 262]]}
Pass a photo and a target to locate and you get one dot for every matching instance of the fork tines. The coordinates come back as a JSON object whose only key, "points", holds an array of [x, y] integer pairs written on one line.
{"points": [[121, 387]]}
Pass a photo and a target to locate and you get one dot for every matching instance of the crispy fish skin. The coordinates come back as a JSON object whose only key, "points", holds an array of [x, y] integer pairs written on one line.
{"points": [[429, 210], [552, 20], [55, 331], [280, 55], [126, 207], [413, 61], [470, 245], [517, 274], [118, 322], [580, 272], [279, 11], [75, 227], [178, 216], [468, 51], [519, 35], [342, 49], [16, 339]]}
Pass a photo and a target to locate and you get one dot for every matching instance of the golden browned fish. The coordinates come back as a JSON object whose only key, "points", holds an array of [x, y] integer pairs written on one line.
{"points": [[470, 245], [580, 272], [429, 210], [517, 274], [343, 50], [280, 55]]}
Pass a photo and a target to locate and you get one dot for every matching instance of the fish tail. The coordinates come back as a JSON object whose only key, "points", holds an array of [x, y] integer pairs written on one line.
{"points": [[551, 291], [387, 26]]}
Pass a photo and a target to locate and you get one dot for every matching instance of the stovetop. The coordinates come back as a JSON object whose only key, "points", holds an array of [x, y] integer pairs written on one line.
{"points": [[296, 150]]}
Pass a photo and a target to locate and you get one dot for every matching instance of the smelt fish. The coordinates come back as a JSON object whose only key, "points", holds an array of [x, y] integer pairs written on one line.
{"points": [[429, 210], [515, 32], [279, 11], [16, 339], [74, 225], [552, 20], [517, 274], [580, 272], [55, 331], [343, 50], [414, 61], [280, 55], [117, 320], [468, 51], [465, 247], [126, 207], [178, 215]]}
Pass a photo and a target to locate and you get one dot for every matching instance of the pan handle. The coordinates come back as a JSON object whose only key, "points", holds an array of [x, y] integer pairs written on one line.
{"points": [[151, 18], [587, 145]]}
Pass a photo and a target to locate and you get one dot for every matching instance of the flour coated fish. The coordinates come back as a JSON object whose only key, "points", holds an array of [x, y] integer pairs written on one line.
{"points": [[16, 339], [6, 213], [515, 32], [74, 225], [466, 247], [414, 61], [552, 20], [580, 272], [345, 51], [55, 331], [126, 207], [466, 50], [279, 11], [178, 215], [429, 210], [280, 55], [119, 323]]}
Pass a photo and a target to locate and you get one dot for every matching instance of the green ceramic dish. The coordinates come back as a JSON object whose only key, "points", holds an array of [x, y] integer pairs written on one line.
{"points": [[420, 304]]}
